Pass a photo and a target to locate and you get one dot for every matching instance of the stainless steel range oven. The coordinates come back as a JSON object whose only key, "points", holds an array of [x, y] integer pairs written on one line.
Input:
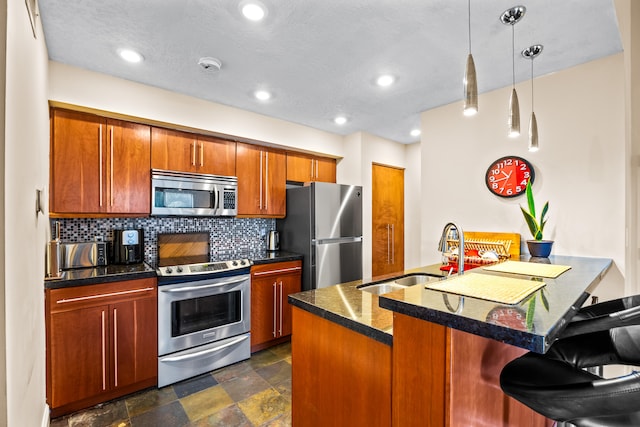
{"points": [[203, 318]]}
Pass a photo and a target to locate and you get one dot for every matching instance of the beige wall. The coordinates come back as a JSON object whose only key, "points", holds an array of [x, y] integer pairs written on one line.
{"points": [[580, 167], [26, 159], [77, 86]]}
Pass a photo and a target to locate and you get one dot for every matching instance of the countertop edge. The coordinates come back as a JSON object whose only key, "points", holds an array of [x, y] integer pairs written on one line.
{"points": [[522, 339], [359, 327]]}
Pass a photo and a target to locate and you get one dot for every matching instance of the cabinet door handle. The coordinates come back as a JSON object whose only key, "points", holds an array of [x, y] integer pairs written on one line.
{"points": [[281, 270], [193, 153], [316, 169], [111, 165], [201, 154], [281, 309], [115, 345], [110, 294], [100, 164], [266, 180], [104, 353], [275, 307], [312, 169], [260, 186]]}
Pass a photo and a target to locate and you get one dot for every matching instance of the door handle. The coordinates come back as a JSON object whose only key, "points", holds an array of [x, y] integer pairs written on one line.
{"points": [[260, 185], [393, 244], [275, 307], [201, 154], [104, 353], [115, 346], [100, 164], [281, 308], [388, 249], [193, 153], [111, 166], [266, 180]]}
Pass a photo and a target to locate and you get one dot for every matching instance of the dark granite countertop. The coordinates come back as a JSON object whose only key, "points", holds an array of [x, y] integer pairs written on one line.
{"points": [[266, 257], [372, 315], [92, 276], [115, 273], [348, 306], [511, 324]]}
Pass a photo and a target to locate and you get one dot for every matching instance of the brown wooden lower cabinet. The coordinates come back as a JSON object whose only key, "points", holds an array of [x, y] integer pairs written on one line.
{"points": [[101, 342], [271, 284], [446, 377], [339, 377], [432, 376]]}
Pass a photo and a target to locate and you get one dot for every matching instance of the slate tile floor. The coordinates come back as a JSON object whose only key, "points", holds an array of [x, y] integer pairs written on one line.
{"points": [[252, 393]]}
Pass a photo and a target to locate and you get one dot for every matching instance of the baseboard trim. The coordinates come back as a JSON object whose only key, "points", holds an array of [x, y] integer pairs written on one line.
{"points": [[45, 416]]}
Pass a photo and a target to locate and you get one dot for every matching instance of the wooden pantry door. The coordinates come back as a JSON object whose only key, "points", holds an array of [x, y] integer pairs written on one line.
{"points": [[387, 218]]}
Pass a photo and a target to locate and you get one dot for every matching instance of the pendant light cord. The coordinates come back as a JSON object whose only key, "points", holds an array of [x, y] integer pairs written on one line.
{"points": [[469, 23], [513, 55]]}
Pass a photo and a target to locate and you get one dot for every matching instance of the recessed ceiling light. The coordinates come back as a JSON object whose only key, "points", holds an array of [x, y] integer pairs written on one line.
{"points": [[415, 132], [340, 120], [385, 80], [130, 55], [253, 10], [262, 95]]}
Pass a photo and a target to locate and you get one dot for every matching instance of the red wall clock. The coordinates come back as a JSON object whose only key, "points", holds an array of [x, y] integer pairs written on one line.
{"points": [[508, 176]]}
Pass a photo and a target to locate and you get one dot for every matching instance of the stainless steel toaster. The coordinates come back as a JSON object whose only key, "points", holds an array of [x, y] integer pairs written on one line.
{"points": [[84, 254]]}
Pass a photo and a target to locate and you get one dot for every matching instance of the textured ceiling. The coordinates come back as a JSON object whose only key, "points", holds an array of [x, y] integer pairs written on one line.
{"points": [[320, 58]]}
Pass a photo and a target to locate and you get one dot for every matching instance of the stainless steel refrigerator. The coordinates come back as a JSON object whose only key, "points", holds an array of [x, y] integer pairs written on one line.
{"points": [[324, 223]]}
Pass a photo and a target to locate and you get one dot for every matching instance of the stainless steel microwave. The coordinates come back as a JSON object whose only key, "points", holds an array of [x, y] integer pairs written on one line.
{"points": [[190, 194]]}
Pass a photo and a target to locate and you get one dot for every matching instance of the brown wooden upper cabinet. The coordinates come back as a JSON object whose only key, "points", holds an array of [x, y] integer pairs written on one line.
{"points": [[306, 168], [99, 166], [262, 182], [187, 152]]}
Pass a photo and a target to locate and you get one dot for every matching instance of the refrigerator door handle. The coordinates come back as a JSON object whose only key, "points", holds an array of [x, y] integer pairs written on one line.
{"points": [[336, 240]]}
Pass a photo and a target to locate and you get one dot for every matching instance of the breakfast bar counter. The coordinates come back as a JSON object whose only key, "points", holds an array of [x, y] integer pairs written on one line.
{"points": [[423, 356]]}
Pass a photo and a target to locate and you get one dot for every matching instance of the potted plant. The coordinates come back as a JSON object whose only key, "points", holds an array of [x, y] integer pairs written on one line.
{"points": [[537, 247]]}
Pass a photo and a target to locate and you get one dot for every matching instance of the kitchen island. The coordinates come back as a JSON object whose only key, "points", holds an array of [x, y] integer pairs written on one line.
{"points": [[424, 357]]}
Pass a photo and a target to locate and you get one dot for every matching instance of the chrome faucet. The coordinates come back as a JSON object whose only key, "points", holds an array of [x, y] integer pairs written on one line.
{"points": [[443, 246]]}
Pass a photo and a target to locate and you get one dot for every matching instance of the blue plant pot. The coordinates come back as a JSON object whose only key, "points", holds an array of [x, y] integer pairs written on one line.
{"points": [[539, 248]]}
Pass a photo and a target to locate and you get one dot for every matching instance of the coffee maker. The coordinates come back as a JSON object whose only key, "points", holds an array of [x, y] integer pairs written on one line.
{"points": [[128, 246]]}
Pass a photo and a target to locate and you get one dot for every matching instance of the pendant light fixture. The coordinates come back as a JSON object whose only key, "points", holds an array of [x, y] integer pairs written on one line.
{"points": [[470, 81], [530, 53], [512, 17]]}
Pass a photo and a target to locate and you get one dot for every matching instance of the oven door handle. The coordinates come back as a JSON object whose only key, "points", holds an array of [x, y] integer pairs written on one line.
{"points": [[195, 288], [204, 352]]}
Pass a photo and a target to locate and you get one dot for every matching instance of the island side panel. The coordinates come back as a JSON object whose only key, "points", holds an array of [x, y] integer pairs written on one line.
{"points": [[339, 377], [475, 396], [419, 372]]}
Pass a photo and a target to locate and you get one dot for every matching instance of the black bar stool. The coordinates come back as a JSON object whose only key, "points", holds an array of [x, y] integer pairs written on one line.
{"points": [[556, 384]]}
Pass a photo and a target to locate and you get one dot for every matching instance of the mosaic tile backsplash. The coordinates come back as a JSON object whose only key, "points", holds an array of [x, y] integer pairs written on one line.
{"points": [[229, 237]]}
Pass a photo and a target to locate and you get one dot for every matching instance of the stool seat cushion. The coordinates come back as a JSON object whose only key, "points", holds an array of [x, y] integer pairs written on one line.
{"points": [[562, 392]]}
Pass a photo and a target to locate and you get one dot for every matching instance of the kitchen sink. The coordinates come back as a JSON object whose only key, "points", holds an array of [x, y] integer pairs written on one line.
{"points": [[381, 288], [399, 283], [416, 279]]}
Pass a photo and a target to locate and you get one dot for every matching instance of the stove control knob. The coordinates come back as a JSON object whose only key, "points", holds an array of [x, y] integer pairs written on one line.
{"points": [[234, 263], [169, 270], [242, 262], [179, 269]]}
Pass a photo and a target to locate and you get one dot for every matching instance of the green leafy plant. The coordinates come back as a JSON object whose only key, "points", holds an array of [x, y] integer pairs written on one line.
{"points": [[536, 227]]}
